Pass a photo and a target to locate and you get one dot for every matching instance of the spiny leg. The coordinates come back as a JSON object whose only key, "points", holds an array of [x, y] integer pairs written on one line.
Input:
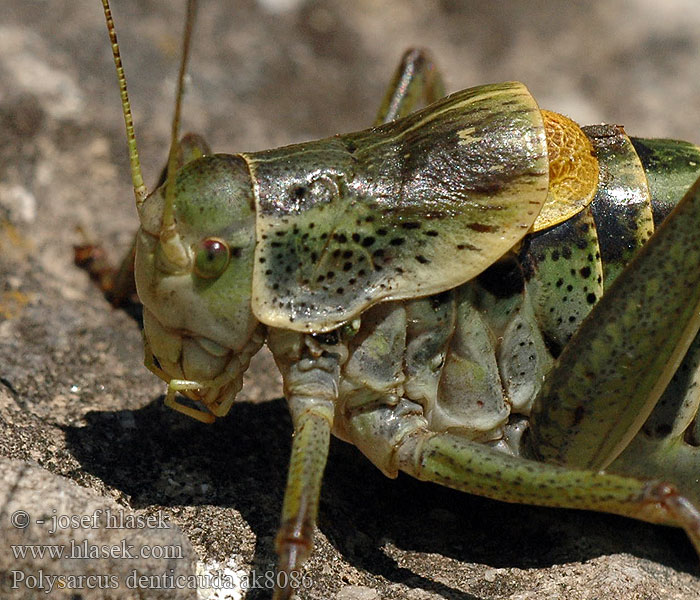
{"points": [[461, 464], [416, 79], [455, 461], [294, 542], [311, 377]]}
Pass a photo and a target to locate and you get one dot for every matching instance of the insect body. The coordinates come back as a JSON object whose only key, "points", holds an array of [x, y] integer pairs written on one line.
{"points": [[470, 293]]}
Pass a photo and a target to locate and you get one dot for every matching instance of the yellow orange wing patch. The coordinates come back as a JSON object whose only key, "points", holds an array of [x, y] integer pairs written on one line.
{"points": [[573, 171]]}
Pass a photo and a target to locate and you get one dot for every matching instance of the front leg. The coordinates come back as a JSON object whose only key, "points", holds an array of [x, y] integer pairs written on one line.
{"points": [[310, 373]]}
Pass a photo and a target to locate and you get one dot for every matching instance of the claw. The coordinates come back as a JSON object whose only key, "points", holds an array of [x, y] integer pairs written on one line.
{"points": [[679, 508]]}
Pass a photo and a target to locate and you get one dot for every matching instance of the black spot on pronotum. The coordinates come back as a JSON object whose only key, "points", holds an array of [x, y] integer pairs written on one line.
{"points": [[591, 298], [480, 227], [421, 259]]}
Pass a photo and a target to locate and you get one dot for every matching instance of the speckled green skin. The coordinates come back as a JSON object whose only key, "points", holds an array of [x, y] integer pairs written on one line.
{"points": [[442, 387], [465, 352], [625, 352], [671, 167]]}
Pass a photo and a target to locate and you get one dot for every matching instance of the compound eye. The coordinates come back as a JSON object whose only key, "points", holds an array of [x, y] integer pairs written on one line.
{"points": [[211, 258]]}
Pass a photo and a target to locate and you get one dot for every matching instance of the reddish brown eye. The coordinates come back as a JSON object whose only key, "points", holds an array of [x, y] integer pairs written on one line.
{"points": [[211, 258]]}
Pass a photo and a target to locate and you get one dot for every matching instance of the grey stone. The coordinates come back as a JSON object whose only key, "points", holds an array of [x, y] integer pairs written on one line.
{"points": [[63, 540]]}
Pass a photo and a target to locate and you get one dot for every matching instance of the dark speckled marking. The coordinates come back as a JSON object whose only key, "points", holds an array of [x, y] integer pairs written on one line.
{"points": [[416, 188], [481, 227], [467, 247], [621, 352], [560, 264]]}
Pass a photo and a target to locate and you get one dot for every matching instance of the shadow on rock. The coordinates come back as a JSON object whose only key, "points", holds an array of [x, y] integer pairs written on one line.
{"points": [[157, 457], [424, 517]]}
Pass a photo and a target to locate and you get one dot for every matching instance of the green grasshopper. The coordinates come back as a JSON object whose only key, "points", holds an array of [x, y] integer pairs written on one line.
{"points": [[478, 293]]}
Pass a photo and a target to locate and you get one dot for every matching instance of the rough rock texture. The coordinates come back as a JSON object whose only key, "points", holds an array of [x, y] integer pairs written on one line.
{"points": [[77, 406]]}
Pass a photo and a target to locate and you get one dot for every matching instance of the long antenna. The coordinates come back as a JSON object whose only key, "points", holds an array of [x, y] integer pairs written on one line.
{"points": [[168, 223], [140, 190]]}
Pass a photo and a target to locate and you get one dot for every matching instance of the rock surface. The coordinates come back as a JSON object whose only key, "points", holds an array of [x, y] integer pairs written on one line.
{"points": [[76, 404]]}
